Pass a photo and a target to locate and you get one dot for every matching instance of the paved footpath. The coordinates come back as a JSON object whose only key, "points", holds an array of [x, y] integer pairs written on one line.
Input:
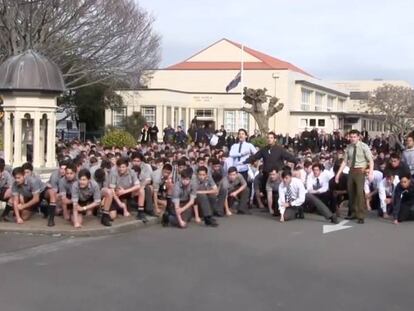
{"points": [[248, 263]]}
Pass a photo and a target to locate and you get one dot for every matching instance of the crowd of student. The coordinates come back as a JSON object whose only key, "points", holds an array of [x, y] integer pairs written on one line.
{"points": [[180, 182]]}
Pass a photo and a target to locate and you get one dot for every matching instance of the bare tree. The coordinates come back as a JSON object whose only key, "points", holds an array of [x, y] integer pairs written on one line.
{"points": [[394, 105], [257, 98], [91, 40]]}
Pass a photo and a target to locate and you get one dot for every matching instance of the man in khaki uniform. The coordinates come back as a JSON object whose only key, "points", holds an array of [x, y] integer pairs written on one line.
{"points": [[358, 157]]}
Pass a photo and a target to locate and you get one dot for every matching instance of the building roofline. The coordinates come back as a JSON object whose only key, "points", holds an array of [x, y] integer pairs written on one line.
{"points": [[321, 87], [179, 91]]}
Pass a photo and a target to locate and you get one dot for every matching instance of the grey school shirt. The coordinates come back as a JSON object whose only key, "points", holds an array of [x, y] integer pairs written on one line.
{"points": [[32, 185], [6, 179], [124, 181], [207, 184], [236, 184], [146, 172], [90, 193], [65, 186], [272, 186], [183, 194], [54, 179]]}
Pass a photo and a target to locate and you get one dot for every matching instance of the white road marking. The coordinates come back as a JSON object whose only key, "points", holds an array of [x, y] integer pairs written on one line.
{"points": [[332, 228]]}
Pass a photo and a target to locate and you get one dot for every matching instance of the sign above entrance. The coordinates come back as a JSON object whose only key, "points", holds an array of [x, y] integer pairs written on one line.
{"points": [[202, 99]]}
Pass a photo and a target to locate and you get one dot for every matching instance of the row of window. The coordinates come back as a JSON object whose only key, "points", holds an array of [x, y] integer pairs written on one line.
{"points": [[374, 125], [304, 123], [233, 119], [322, 102]]}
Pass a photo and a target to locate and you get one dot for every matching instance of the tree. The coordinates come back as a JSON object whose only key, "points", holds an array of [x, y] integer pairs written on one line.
{"points": [[394, 105], [90, 40], [134, 123], [257, 98]]}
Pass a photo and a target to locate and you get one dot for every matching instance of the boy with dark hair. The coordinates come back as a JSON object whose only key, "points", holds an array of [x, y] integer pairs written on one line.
{"points": [[237, 191], [206, 190], [126, 186], [144, 176], [403, 200], [292, 195], [6, 182], [163, 188], [29, 194], [65, 189], [86, 197]]}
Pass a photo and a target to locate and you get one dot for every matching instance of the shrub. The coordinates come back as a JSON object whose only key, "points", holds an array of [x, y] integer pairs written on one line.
{"points": [[118, 138], [259, 141]]}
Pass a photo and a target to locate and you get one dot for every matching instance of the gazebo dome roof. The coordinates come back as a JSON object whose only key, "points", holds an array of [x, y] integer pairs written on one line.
{"points": [[30, 71]]}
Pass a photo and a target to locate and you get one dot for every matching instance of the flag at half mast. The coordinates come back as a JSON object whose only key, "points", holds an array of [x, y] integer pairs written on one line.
{"points": [[234, 83]]}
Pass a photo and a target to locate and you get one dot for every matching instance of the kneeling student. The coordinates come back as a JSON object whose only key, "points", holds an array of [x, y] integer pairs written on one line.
{"points": [[292, 195], [28, 193], [86, 197]]}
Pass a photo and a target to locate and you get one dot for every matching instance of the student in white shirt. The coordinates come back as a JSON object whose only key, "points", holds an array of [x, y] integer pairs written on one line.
{"points": [[371, 189], [318, 195], [292, 194], [240, 152], [385, 192]]}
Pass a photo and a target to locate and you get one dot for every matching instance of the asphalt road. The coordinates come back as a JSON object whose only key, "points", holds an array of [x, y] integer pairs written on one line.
{"points": [[248, 263]]}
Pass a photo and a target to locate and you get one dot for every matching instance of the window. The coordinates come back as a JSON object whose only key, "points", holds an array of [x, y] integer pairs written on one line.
{"points": [[359, 95], [312, 122], [230, 121], [149, 114], [330, 103], [303, 123], [206, 113], [319, 102], [321, 122], [234, 120], [118, 116], [341, 104], [176, 121], [379, 126], [306, 100], [364, 124]]}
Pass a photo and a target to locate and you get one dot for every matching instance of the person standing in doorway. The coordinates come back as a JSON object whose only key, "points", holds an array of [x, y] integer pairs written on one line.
{"points": [[358, 157]]}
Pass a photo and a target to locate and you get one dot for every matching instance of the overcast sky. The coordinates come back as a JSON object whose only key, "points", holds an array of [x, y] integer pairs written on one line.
{"points": [[330, 39]]}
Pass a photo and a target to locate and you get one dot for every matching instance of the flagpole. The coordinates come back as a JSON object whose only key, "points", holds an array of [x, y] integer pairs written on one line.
{"points": [[242, 73]]}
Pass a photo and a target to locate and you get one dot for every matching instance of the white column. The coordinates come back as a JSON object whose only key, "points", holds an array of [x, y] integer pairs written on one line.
{"points": [[180, 115], [51, 140], [17, 139], [164, 121], [7, 139], [36, 141]]}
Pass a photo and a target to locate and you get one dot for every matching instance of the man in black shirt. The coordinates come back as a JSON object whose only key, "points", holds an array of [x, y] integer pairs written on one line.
{"points": [[273, 156]]}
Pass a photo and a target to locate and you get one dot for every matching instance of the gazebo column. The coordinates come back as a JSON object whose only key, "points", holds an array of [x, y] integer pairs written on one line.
{"points": [[17, 161], [51, 140], [7, 139], [36, 141]]}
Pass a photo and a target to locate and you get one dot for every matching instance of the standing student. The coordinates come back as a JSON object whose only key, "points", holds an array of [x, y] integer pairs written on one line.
{"points": [[358, 157], [408, 153], [240, 151]]}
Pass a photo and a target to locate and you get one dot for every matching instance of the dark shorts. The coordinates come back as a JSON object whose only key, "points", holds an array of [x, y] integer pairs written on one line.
{"points": [[2, 193], [131, 202], [84, 203]]}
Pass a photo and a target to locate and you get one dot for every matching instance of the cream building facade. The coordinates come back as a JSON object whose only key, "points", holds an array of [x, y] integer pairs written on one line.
{"points": [[196, 87]]}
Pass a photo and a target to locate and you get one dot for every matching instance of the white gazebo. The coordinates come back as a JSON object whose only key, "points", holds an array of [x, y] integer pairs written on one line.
{"points": [[29, 86]]}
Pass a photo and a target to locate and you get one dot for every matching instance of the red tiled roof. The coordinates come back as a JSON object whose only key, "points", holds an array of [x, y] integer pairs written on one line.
{"points": [[266, 62]]}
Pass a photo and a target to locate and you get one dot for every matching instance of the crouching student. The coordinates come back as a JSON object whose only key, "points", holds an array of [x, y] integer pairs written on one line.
{"points": [[237, 191], [163, 189], [272, 191], [385, 193], [403, 200], [6, 182], [86, 197], [206, 191], [183, 199], [126, 186], [28, 192], [65, 190], [292, 195], [102, 179]]}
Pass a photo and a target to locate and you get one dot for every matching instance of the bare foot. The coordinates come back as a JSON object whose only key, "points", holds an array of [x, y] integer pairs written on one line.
{"points": [[19, 221], [198, 220], [228, 213], [77, 225], [396, 222], [282, 219], [127, 214]]}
